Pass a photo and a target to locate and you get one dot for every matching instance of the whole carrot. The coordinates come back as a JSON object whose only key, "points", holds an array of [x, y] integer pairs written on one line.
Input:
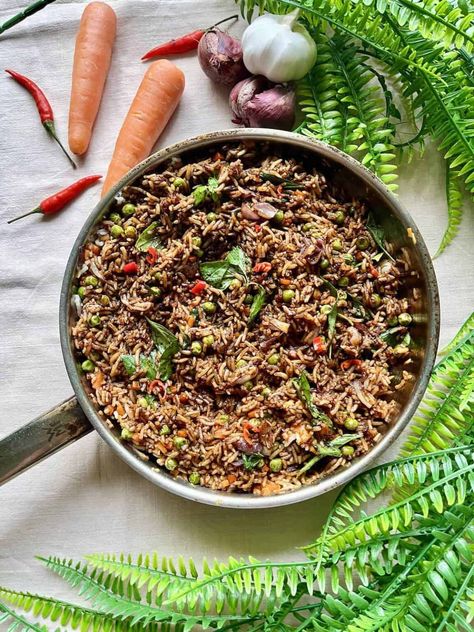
{"points": [[44, 107], [92, 55], [22, 15], [59, 200], [182, 44]]}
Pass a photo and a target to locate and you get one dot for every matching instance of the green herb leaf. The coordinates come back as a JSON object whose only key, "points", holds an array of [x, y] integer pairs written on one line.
{"points": [[257, 304], [167, 345], [359, 308], [343, 440], [203, 192], [220, 274], [276, 179], [151, 401], [252, 461], [390, 335], [129, 364], [147, 238], [304, 391], [378, 235], [332, 315], [148, 364]]}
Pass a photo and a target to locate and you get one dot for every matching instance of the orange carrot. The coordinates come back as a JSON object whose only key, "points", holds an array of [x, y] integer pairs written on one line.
{"points": [[154, 103], [92, 56]]}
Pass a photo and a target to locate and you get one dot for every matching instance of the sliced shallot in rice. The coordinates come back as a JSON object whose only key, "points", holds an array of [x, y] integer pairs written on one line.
{"points": [[248, 212], [366, 398], [76, 304], [265, 210], [96, 271]]}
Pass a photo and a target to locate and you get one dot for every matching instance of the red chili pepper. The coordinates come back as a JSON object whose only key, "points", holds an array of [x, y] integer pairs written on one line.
{"points": [[373, 271], [319, 344], [262, 268], [157, 387], [44, 107], [348, 363], [183, 44], [152, 256], [257, 228], [59, 200], [198, 288], [130, 268]]}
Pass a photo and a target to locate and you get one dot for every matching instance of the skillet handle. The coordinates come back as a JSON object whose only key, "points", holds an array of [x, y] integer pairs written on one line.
{"points": [[42, 437]]}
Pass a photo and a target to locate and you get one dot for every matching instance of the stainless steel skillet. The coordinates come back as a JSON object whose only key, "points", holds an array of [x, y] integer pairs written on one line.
{"points": [[77, 416]]}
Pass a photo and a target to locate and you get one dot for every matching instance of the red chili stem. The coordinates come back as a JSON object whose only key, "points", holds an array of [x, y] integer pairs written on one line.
{"points": [[183, 44], [59, 200], [43, 105]]}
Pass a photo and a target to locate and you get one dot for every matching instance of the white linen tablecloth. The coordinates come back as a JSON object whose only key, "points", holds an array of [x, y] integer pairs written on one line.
{"points": [[84, 499]]}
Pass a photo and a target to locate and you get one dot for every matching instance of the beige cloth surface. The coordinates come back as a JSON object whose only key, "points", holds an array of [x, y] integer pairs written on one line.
{"points": [[84, 499]]}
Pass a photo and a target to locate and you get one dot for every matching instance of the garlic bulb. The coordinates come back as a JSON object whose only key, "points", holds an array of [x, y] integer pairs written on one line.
{"points": [[278, 48]]}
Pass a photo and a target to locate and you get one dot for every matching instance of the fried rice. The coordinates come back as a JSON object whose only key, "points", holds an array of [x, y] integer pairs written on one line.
{"points": [[242, 322]]}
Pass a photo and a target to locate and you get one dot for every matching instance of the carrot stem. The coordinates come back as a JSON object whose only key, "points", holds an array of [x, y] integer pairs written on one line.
{"points": [[15, 219], [22, 15], [49, 125]]}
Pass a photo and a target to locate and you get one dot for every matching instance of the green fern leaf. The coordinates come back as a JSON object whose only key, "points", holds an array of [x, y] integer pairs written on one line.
{"points": [[462, 336], [455, 210], [17, 623]]}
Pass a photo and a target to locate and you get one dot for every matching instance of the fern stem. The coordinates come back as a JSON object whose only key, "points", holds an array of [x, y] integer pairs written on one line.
{"points": [[19, 619]]}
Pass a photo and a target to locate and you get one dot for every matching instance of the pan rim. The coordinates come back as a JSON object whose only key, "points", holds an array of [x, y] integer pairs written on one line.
{"points": [[228, 499]]}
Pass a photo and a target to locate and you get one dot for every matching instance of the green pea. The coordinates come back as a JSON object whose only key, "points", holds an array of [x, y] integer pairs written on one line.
{"points": [[343, 281], [266, 392], [90, 280], [248, 385], [211, 217], [307, 227], [209, 308], [198, 252], [87, 366], [104, 300], [131, 232], [143, 402], [196, 241], [351, 423], [126, 434], [157, 276], [81, 292], [248, 299], [179, 442], [116, 230], [194, 478], [288, 296], [155, 291], [337, 245], [340, 217], [375, 300], [279, 217], [179, 183], [276, 465], [196, 348], [129, 209], [115, 218], [362, 243], [165, 430], [208, 341], [94, 320], [240, 363], [405, 319], [399, 350], [348, 258], [324, 264], [171, 464], [393, 320], [325, 309], [273, 359], [223, 419], [347, 450]]}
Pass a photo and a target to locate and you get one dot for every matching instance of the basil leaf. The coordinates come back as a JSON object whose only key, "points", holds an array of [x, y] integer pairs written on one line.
{"points": [[129, 364], [151, 401], [220, 274], [167, 345], [304, 391], [343, 440], [214, 272], [200, 194], [360, 309], [148, 364], [239, 260], [203, 192], [332, 315], [147, 238], [212, 186], [257, 304], [252, 461], [328, 450], [378, 235], [390, 336]]}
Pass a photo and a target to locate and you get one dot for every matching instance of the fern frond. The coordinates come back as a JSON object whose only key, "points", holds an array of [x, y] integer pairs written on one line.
{"points": [[455, 617], [64, 612], [455, 210], [17, 623], [106, 593], [463, 335]]}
